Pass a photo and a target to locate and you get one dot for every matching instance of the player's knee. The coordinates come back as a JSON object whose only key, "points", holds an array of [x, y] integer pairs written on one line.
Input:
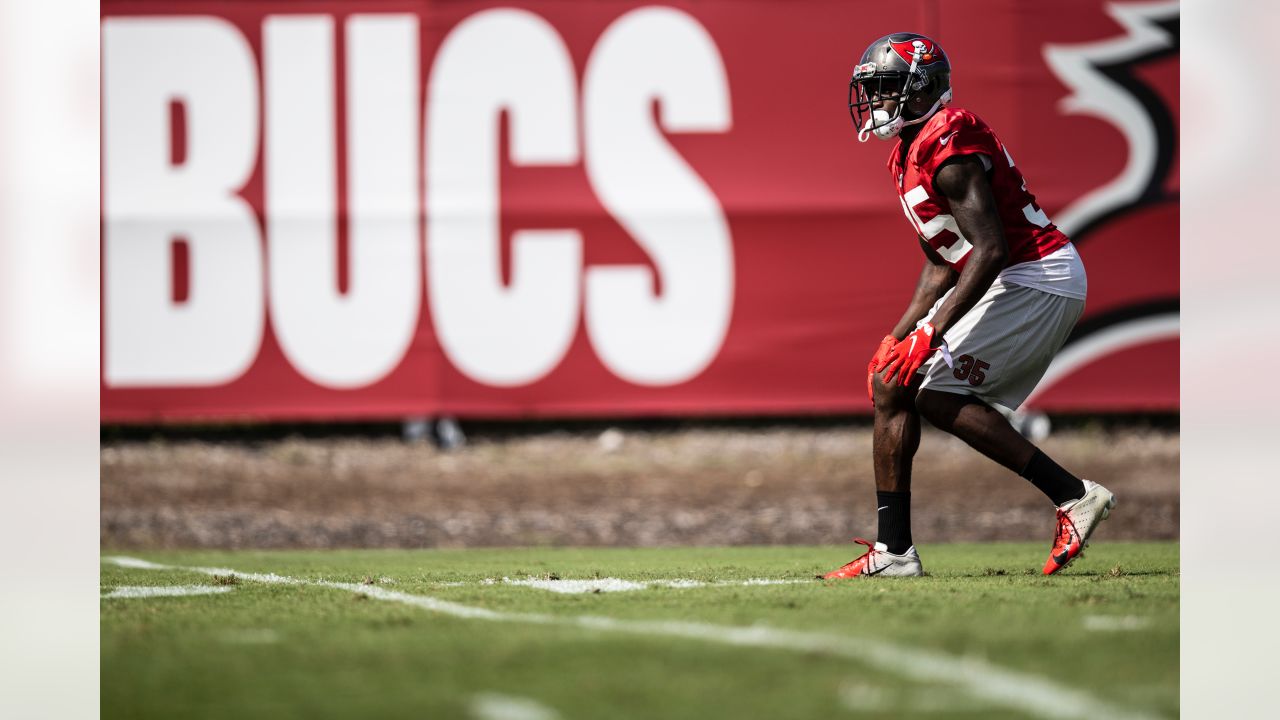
{"points": [[890, 398]]}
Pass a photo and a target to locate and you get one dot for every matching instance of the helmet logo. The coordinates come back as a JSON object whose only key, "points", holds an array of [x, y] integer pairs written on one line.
{"points": [[922, 48]]}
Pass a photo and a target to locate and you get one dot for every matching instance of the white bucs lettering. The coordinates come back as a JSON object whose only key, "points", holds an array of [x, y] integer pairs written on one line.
{"points": [[952, 132]]}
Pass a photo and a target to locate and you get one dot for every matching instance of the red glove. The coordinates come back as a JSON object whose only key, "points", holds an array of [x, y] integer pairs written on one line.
{"points": [[882, 352], [907, 356]]}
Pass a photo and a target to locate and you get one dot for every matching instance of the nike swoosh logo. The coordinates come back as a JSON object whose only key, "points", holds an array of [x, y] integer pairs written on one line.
{"points": [[943, 140], [886, 507], [1061, 558], [881, 569]]}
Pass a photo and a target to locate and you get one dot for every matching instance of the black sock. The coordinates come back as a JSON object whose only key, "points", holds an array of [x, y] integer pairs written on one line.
{"points": [[894, 513], [1060, 485]]}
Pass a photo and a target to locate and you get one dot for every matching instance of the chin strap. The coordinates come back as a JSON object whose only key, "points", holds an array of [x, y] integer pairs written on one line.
{"points": [[946, 98]]}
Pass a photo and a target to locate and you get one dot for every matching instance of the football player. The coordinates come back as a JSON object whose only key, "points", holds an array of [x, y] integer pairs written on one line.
{"points": [[1000, 290]]}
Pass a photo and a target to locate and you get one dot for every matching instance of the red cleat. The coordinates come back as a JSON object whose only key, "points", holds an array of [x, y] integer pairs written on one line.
{"points": [[1076, 522], [879, 561]]}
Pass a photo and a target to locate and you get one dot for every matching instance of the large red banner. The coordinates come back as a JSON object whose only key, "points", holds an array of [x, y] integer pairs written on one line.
{"points": [[383, 209]]}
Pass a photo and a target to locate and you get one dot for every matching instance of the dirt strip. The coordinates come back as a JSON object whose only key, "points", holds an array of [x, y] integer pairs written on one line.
{"points": [[692, 487]]}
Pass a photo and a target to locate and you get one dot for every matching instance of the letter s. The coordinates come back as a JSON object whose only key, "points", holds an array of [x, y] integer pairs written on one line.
{"points": [[658, 54]]}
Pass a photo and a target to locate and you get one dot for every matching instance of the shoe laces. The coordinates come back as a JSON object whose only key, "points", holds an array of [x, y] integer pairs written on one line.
{"points": [[1065, 529], [871, 550]]}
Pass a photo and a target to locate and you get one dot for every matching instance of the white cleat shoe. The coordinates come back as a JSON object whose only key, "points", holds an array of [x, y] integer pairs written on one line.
{"points": [[1076, 522], [879, 561]]}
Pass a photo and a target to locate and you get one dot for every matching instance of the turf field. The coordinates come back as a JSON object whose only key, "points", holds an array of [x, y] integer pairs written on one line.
{"points": [[743, 632]]}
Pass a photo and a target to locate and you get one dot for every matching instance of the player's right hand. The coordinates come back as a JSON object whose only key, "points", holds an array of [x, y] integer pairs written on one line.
{"points": [[882, 353], [909, 355]]}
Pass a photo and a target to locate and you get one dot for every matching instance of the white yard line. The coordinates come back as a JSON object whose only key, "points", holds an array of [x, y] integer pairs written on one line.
{"points": [[1028, 693], [576, 587], [678, 584], [495, 706], [133, 591]]}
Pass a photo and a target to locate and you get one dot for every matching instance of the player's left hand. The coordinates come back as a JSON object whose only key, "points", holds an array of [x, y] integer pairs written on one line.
{"points": [[907, 356]]}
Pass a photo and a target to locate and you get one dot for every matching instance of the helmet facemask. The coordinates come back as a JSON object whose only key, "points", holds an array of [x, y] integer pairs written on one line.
{"points": [[867, 95]]}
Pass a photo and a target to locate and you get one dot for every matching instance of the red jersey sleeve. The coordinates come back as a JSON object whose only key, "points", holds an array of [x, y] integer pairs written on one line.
{"points": [[963, 133]]}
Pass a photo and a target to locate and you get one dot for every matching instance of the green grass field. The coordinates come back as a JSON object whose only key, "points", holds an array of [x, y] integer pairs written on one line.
{"points": [[440, 634]]}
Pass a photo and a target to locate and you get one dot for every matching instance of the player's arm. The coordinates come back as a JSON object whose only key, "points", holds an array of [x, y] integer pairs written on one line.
{"points": [[963, 181], [936, 278]]}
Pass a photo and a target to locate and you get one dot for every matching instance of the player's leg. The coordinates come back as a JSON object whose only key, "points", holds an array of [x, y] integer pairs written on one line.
{"points": [[1081, 505], [895, 440], [896, 437], [1001, 350], [987, 431]]}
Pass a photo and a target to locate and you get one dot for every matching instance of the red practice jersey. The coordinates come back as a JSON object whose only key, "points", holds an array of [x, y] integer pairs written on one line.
{"points": [[952, 132]]}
